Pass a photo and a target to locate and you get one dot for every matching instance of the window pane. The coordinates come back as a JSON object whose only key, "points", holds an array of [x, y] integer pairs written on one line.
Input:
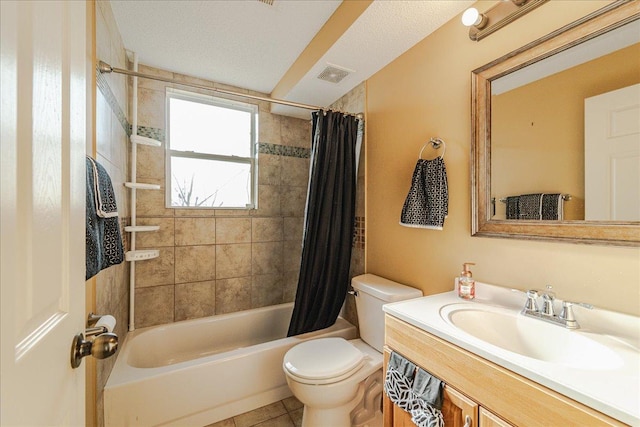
{"points": [[210, 183], [205, 128]]}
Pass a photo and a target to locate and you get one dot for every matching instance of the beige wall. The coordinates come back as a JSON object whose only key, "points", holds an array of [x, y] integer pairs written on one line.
{"points": [[426, 92], [112, 284], [538, 146], [215, 261]]}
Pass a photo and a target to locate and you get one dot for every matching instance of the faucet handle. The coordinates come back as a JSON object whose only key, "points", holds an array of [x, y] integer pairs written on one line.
{"points": [[567, 313], [532, 303], [547, 302]]}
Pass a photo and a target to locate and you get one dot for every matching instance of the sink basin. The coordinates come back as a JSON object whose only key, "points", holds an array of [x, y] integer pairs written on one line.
{"points": [[529, 337]]}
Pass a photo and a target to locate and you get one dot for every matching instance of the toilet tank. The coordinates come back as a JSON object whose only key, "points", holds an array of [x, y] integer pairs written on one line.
{"points": [[373, 292]]}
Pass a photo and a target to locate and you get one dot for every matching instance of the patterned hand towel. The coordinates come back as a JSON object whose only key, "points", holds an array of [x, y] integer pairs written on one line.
{"points": [[530, 206], [102, 238], [552, 207], [513, 212], [417, 392], [427, 204]]}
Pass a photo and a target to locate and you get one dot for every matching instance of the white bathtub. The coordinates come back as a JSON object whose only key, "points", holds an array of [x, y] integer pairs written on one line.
{"points": [[197, 372]]}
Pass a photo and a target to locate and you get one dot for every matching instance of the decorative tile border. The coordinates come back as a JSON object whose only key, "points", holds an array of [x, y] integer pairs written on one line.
{"points": [[358, 233], [149, 132], [103, 85], [283, 150]]}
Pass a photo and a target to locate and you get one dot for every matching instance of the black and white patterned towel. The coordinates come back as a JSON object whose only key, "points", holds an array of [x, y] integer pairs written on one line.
{"points": [[414, 390], [427, 204], [537, 206], [102, 237]]}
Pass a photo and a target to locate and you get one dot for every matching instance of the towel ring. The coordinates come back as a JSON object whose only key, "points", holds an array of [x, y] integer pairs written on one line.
{"points": [[436, 143]]}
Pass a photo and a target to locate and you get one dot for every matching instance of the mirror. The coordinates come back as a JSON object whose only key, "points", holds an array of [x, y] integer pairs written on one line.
{"points": [[538, 171]]}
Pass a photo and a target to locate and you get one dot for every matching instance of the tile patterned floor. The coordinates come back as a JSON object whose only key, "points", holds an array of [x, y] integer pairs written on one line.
{"points": [[284, 413]]}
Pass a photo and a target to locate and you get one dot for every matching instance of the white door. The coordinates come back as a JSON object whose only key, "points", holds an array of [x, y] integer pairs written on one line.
{"points": [[42, 217], [612, 155]]}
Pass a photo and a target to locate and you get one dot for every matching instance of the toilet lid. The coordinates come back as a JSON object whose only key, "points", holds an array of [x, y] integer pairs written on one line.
{"points": [[323, 358]]}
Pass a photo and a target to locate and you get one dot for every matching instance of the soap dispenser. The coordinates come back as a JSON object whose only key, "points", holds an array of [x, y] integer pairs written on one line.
{"points": [[466, 284]]}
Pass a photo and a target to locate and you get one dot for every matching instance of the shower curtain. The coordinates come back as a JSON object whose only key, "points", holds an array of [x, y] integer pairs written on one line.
{"points": [[329, 222]]}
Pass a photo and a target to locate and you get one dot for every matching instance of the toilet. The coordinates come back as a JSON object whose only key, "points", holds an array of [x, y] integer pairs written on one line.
{"points": [[340, 381]]}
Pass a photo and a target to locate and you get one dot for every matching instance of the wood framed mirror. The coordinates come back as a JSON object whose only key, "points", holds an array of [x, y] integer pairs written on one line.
{"points": [[519, 152]]}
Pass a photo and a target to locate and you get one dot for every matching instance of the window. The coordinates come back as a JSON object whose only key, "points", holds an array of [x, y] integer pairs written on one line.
{"points": [[211, 152]]}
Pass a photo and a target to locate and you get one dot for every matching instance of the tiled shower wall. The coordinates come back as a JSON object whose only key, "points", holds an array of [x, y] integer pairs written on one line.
{"points": [[112, 284], [215, 261]]}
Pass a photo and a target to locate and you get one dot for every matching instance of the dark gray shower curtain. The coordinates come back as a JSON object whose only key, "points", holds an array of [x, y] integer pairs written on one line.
{"points": [[329, 223]]}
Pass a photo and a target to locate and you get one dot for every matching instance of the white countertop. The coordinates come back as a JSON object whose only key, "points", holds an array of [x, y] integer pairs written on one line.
{"points": [[614, 391]]}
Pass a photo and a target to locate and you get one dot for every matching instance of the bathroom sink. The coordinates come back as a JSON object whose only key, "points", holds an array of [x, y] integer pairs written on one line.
{"points": [[509, 330]]}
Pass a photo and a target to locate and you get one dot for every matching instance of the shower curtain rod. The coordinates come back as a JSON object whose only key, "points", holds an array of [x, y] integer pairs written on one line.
{"points": [[103, 67]]}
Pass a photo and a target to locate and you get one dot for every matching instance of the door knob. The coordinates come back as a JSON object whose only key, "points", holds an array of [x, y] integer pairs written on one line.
{"points": [[101, 347]]}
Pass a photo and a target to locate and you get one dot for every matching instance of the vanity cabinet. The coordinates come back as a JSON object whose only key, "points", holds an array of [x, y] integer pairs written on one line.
{"points": [[456, 407], [489, 394]]}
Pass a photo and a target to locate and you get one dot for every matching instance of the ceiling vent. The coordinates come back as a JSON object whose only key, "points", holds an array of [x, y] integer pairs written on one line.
{"points": [[334, 74], [269, 2]]}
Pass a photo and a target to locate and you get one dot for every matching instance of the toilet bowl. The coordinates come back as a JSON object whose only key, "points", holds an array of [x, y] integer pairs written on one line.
{"points": [[340, 381], [328, 377]]}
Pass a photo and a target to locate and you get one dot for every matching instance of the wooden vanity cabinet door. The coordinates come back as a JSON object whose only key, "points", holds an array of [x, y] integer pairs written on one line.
{"points": [[456, 407], [488, 419]]}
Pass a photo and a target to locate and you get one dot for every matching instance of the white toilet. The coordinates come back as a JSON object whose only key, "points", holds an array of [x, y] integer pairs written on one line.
{"points": [[339, 381]]}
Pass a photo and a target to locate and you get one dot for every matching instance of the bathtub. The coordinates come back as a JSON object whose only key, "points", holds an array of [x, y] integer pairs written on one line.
{"points": [[197, 372]]}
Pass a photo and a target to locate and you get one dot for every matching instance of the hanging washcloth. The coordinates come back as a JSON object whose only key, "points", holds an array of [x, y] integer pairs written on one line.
{"points": [[103, 239], [427, 204], [552, 207], [427, 408], [398, 381], [416, 392]]}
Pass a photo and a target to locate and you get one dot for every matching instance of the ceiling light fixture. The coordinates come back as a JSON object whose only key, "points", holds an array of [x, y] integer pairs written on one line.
{"points": [[503, 13]]}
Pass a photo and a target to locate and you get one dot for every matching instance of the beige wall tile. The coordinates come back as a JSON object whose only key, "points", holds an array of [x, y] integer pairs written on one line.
{"points": [[266, 258], [195, 231], [151, 108], [269, 128], [268, 201], [289, 286], [233, 295], [195, 263], [266, 229], [153, 84], [157, 271], [295, 171], [150, 163], [154, 306], [233, 260], [154, 239], [293, 200], [194, 300], [295, 132], [151, 202], [194, 213], [293, 228], [291, 256], [233, 230], [266, 289], [269, 169]]}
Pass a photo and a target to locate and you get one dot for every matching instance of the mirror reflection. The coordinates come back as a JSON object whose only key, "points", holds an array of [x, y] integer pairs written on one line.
{"points": [[565, 134]]}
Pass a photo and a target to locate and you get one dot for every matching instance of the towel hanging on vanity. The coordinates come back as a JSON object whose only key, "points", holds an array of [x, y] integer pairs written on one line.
{"points": [[103, 239], [414, 390], [427, 204]]}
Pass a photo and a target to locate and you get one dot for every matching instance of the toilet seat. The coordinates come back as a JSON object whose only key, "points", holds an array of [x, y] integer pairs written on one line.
{"points": [[323, 361]]}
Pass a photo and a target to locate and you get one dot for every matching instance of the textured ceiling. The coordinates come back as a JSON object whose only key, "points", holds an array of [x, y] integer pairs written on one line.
{"points": [[249, 44]]}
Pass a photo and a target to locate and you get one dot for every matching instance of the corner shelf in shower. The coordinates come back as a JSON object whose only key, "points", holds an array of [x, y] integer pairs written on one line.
{"points": [[141, 228], [141, 255], [141, 186], [137, 139]]}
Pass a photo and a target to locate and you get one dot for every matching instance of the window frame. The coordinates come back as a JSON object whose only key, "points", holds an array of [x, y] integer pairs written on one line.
{"points": [[252, 160]]}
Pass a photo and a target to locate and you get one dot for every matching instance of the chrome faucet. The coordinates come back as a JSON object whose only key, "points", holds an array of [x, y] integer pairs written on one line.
{"points": [[566, 317]]}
